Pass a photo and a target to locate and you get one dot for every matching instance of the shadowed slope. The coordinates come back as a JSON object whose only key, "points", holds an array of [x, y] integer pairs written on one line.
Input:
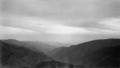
{"points": [[15, 56], [34, 45], [93, 53]]}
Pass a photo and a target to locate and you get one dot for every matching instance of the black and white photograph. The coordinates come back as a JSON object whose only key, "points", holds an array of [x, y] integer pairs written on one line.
{"points": [[59, 33]]}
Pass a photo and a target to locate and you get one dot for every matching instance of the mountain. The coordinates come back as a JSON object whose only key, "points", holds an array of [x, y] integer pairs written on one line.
{"points": [[42, 46], [18, 56], [103, 52]]}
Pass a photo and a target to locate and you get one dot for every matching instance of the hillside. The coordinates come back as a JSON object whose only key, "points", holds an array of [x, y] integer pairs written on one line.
{"points": [[96, 53], [34, 45], [16, 56]]}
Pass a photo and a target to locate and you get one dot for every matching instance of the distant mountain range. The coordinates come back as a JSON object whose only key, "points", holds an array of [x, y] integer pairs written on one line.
{"points": [[103, 53], [100, 53], [18, 56], [44, 47], [14, 55]]}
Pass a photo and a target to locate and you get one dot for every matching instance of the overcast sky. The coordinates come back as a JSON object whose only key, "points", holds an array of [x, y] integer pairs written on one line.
{"points": [[63, 21]]}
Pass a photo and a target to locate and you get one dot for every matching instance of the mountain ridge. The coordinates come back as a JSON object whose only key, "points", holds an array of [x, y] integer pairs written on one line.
{"points": [[16, 56], [79, 54]]}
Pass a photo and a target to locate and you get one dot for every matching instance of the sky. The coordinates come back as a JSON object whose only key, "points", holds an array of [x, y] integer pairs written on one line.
{"points": [[64, 21]]}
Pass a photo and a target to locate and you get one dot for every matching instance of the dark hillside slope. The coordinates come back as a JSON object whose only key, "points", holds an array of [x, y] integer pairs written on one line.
{"points": [[15, 56], [42, 46], [95, 53]]}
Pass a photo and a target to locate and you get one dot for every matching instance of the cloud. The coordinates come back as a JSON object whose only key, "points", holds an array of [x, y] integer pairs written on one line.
{"points": [[64, 9], [45, 26], [37, 28], [50, 8], [14, 30], [108, 8], [26, 22], [111, 23], [107, 26], [59, 20], [82, 13], [41, 25], [63, 29]]}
